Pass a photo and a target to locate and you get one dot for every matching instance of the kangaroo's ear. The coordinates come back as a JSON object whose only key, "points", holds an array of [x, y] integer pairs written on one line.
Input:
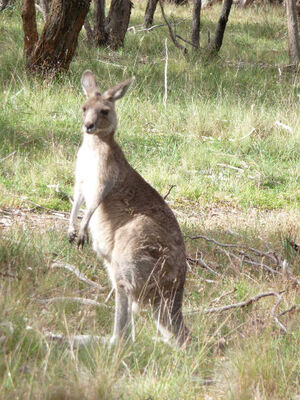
{"points": [[89, 84], [118, 91]]}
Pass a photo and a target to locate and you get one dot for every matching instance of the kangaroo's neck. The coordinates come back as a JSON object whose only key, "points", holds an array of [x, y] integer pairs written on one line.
{"points": [[95, 141]]}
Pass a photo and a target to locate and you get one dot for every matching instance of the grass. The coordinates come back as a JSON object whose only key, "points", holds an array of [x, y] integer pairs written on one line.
{"points": [[222, 112], [236, 172]]}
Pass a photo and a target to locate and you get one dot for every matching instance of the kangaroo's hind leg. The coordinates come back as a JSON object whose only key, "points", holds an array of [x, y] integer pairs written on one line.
{"points": [[121, 315], [169, 319]]}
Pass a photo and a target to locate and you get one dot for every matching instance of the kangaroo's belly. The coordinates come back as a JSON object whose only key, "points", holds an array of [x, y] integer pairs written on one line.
{"points": [[102, 235]]}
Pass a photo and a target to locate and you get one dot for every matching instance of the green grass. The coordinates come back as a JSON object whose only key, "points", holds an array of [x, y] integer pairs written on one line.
{"points": [[242, 351], [211, 109], [234, 169]]}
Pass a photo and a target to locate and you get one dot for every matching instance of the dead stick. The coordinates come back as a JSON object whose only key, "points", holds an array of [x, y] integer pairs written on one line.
{"points": [[217, 299], [275, 318], [176, 43], [203, 264], [81, 300], [169, 191], [79, 275], [241, 246], [295, 307], [74, 340], [236, 305]]}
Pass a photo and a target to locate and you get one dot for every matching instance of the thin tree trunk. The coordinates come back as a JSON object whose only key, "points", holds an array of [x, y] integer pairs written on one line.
{"points": [[56, 46], [149, 13], [196, 23], [100, 34], [216, 43], [117, 21], [293, 35], [89, 31], [29, 26]]}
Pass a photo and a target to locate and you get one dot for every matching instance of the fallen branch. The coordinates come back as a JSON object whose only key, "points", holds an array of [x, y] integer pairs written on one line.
{"points": [[135, 30], [9, 155], [186, 41], [271, 256], [217, 299], [203, 264], [275, 317], [74, 340], [80, 300], [172, 36], [79, 275], [295, 307], [237, 305], [232, 245]]}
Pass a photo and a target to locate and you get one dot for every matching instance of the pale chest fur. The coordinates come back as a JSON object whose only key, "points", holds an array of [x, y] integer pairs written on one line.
{"points": [[94, 172], [88, 167]]}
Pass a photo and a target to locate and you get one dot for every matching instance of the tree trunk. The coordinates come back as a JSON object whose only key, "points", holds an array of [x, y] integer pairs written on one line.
{"points": [[196, 23], [100, 34], [293, 35], [149, 13], [89, 31], [46, 4], [216, 43], [179, 2], [56, 46], [29, 26], [117, 22]]}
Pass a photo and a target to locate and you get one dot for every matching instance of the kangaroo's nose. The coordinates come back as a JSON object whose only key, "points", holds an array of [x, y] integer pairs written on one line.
{"points": [[90, 128]]}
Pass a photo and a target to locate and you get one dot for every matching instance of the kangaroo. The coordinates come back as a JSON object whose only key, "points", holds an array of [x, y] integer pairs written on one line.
{"points": [[133, 230]]}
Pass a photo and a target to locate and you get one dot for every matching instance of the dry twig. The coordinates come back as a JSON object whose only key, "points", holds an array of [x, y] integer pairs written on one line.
{"points": [[169, 191], [79, 275], [237, 305], [80, 300], [217, 299], [74, 340], [203, 264], [172, 36]]}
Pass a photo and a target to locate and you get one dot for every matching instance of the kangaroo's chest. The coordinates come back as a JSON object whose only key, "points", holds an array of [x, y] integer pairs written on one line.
{"points": [[89, 168]]}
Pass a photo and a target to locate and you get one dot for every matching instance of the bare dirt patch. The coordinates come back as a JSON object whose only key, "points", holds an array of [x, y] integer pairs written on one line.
{"points": [[230, 220]]}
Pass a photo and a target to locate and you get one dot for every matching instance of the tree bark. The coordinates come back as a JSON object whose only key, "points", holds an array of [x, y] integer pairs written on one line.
{"points": [[117, 21], [293, 35], [196, 23], [100, 34], [89, 31], [56, 46], [29, 26], [149, 13], [46, 4], [216, 43], [179, 2]]}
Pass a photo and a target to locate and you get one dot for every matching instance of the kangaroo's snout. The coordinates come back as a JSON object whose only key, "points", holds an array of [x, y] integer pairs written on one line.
{"points": [[90, 128]]}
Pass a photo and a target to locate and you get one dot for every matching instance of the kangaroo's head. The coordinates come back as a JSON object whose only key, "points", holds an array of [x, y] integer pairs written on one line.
{"points": [[99, 116]]}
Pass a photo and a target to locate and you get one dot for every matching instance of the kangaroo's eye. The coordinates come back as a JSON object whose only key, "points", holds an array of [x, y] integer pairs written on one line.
{"points": [[104, 111], [84, 109]]}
